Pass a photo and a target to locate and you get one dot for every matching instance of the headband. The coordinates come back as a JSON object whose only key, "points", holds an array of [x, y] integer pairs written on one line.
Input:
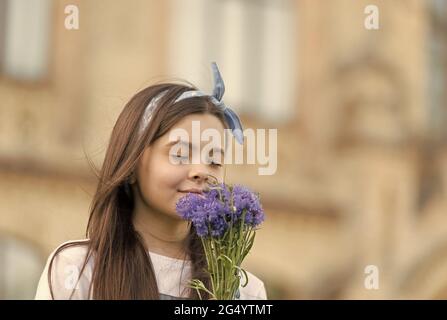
{"points": [[216, 98]]}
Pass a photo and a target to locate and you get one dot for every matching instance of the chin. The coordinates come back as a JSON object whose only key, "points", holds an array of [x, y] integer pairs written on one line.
{"points": [[174, 215]]}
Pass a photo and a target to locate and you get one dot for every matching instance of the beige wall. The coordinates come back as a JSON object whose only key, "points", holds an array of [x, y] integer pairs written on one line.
{"points": [[349, 162]]}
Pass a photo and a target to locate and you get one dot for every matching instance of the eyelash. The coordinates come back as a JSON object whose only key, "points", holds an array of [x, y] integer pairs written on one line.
{"points": [[216, 164], [212, 163], [177, 156]]}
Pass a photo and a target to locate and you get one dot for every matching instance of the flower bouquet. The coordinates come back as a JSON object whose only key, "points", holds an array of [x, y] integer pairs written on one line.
{"points": [[226, 219]]}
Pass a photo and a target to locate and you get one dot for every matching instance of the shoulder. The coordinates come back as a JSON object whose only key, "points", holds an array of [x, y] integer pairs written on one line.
{"points": [[70, 253], [254, 290], [66, 262], [73, 250]]}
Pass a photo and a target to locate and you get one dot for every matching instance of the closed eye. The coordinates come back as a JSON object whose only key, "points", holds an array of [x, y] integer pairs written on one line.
{"points": [[179, 156], [215, 164]]}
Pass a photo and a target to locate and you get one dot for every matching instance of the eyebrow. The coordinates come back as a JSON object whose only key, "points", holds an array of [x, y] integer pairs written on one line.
{"points": [[189, 144]]}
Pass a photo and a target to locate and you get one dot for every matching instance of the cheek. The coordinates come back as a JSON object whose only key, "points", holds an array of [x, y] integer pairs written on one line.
{"points": [[218, 172], [159, 182], [173, 177], [164, 175]]}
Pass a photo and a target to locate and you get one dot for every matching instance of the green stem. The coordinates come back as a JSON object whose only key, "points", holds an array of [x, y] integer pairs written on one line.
{"points": [[208, 261]]}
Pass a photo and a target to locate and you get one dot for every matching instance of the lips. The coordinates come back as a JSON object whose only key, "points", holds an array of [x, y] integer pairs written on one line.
{"points": [[194, 190]]}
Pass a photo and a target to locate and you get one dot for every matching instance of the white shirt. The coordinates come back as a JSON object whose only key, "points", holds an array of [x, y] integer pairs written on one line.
{"points": [[171, 280]]}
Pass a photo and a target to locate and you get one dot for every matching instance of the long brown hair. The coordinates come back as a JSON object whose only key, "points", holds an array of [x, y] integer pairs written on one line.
{"points": [[122, 266]]}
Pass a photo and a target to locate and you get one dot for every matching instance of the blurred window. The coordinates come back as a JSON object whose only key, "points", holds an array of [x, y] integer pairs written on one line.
{"points": [[21, 265], [24, 38], [252, 41], [438, 69]]}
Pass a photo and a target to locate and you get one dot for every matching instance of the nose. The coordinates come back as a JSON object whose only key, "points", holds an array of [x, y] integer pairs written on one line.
{"points": [[199, 175]]}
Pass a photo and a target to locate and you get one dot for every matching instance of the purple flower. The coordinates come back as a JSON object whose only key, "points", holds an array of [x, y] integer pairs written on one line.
{"points": [[191, 207], [245, 199], [212, 214]]}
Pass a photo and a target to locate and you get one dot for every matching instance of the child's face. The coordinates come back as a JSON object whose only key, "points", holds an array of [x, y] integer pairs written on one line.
{"points": [[162, 182]]}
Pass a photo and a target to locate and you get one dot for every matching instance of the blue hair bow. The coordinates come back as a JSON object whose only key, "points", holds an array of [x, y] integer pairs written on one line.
{"points": [[216, 98]]}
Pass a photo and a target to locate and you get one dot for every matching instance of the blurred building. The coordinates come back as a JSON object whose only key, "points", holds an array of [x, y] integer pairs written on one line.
{"points": [[361, 118]]}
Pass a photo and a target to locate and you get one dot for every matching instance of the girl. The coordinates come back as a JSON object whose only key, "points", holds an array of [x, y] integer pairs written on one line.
{"points": [[137, 246]]}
